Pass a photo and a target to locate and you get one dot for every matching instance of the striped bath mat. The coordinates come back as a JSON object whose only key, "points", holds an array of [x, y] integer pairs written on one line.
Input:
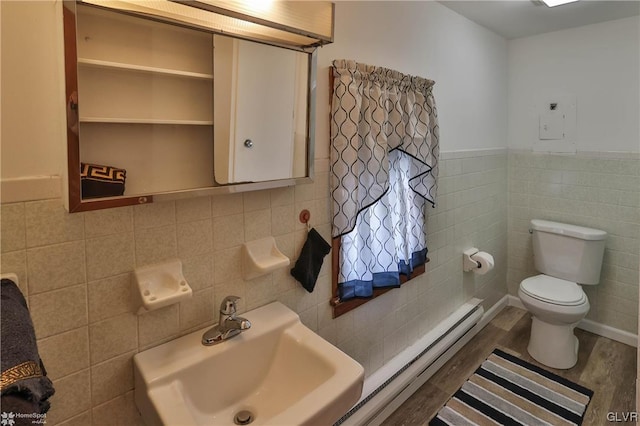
{"points": [[509, 391]]}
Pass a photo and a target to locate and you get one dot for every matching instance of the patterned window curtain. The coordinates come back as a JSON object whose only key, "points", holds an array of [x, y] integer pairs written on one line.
{"points": [[384, 167]]}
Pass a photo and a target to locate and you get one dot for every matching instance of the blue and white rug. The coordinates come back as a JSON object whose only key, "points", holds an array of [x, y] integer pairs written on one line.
{"points": [[506, 390]]}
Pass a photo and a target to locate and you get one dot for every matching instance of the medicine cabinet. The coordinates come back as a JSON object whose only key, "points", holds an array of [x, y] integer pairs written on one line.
{"points": [[175, 109]]}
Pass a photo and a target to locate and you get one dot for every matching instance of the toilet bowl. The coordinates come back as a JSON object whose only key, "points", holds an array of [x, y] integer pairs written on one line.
{"points": [[556, 307], [566, 255]]}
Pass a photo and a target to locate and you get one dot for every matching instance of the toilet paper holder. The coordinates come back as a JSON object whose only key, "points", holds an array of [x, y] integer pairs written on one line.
{"points": [[469, 264]]}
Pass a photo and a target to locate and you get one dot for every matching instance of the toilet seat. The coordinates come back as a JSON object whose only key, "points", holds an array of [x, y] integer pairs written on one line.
{"points": [[553, 290]]}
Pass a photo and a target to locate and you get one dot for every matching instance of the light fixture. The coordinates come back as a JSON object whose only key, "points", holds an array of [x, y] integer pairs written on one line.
{"points": [[302, 25], [553, 3]]}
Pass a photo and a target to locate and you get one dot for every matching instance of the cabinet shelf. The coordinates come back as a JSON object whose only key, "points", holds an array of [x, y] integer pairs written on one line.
{"points": [[97, 63], [123, 120], [144, 91]]}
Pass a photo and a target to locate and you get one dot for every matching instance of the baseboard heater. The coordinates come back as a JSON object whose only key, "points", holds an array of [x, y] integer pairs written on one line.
{"points": [[386, 389]]}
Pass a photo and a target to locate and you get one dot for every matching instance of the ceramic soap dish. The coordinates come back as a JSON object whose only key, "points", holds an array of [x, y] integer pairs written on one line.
{"points": [[259, 257]]}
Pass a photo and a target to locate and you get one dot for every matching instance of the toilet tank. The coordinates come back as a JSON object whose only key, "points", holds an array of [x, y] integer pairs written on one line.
{"points": [[573, 253]]}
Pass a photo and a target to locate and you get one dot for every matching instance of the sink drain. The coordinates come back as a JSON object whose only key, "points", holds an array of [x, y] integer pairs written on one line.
{"points": [[243, 417]]}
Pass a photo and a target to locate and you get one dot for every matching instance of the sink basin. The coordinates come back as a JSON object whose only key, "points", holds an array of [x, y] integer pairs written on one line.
{"points": [[279, 371]]}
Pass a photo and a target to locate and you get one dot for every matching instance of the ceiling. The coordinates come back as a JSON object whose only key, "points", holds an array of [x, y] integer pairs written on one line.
{"points": [[523, 18]]}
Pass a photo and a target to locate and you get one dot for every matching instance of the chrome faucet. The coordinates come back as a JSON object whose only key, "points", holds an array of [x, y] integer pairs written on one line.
{"points": [[229, 324]]}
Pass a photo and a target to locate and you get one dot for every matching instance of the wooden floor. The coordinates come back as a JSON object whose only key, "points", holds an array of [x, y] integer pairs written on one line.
{"points": [[604, 366]]}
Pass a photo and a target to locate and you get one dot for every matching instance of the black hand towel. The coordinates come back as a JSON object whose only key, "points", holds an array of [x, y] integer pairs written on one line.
{"points": [[24, 381], [308, 265]]}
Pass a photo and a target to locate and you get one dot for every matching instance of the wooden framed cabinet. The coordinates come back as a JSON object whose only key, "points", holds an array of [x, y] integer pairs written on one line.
{"points": [[141, 105], [141, 101]]}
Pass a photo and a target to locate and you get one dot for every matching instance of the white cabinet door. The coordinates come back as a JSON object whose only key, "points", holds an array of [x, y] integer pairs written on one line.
{"points": [[257, 82], [265, 84]]}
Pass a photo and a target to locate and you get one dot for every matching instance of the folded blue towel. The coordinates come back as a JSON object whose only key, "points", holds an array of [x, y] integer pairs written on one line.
{"points": [[24, 383]]}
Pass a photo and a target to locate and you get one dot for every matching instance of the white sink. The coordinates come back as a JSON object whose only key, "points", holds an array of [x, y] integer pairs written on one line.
{"points": [[279, 370]]}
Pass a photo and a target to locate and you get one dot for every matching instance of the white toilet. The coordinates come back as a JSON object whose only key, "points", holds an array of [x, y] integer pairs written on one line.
{"points": [[567, 255]]}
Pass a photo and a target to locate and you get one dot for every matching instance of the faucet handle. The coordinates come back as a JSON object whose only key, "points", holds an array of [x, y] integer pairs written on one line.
{"points": [[228, 305]]}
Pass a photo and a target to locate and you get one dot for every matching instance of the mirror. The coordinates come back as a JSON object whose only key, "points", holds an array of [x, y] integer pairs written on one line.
{"points": [[260, 111]]}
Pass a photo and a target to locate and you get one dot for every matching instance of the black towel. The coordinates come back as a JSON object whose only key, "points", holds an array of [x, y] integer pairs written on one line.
{"points": [[101, 181], [25, 385], [308, 265]]}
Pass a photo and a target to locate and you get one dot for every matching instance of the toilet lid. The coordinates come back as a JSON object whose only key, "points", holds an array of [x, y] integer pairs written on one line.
{"points": [[553, 290]]}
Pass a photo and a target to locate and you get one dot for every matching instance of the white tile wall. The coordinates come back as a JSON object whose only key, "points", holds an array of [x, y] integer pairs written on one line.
{"points": [[75, 270], [597, 190]]}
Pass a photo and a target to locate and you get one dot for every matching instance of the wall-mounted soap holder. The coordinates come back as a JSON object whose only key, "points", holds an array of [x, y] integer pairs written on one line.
{"points": [[10, 276], [259, 257], [160, 285]]}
